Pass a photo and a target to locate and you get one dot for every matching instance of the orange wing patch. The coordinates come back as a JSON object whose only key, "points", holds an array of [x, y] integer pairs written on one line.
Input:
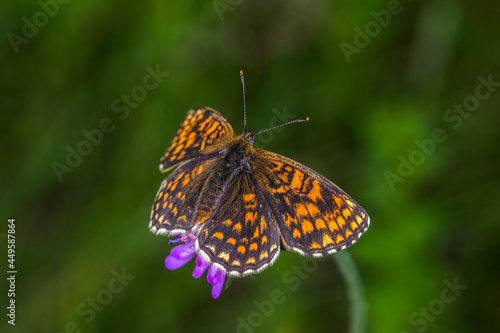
{"points": [[202, 132]]}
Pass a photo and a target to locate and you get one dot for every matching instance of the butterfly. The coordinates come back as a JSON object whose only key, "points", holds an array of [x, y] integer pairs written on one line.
{"points": [[242, 203]]}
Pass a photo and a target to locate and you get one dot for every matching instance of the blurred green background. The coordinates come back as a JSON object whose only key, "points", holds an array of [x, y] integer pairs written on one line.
{"points": [[378, 79]]}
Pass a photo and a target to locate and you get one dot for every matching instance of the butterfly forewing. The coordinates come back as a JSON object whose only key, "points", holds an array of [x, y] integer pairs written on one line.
{"points": [[242, 236], [202, 132], [315, 217]]}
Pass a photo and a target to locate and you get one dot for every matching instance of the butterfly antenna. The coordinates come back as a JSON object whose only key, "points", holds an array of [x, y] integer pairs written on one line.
{"points": [[244, 102], [284, 124]]}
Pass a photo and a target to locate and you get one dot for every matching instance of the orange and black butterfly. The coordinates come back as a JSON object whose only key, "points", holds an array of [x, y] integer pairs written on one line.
{"points": [[242, 202]]}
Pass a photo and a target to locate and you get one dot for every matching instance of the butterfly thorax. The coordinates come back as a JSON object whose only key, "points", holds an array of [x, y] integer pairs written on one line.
{"points": [[234, 161], [237, 155]]}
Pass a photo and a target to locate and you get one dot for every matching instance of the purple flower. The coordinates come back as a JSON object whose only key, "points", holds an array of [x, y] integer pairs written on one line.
{"points": [[183, 253], [216, 278], [180, 255]]}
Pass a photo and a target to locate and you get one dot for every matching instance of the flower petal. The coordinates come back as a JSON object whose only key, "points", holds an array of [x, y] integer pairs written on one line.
{"points": [[180, 255], [201, 267], [173, 262], [212, 275], [215, 275], [183, 250], [217, 288]]}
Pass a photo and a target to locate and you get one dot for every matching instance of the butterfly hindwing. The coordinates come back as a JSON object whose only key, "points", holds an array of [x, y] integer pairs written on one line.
{"points": [[202, 132], [315, 217], [175, 204], [242, 236]]}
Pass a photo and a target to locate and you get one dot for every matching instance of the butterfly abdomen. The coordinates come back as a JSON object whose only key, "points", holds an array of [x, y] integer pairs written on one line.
{"points": [[234, 161]]}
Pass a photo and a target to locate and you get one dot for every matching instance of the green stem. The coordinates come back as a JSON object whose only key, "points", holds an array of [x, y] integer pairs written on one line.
{"points": [[355, 293]]}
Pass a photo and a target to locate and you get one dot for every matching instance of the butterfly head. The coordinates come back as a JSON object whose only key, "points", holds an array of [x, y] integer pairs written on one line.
{"points": [[249, 136]]}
